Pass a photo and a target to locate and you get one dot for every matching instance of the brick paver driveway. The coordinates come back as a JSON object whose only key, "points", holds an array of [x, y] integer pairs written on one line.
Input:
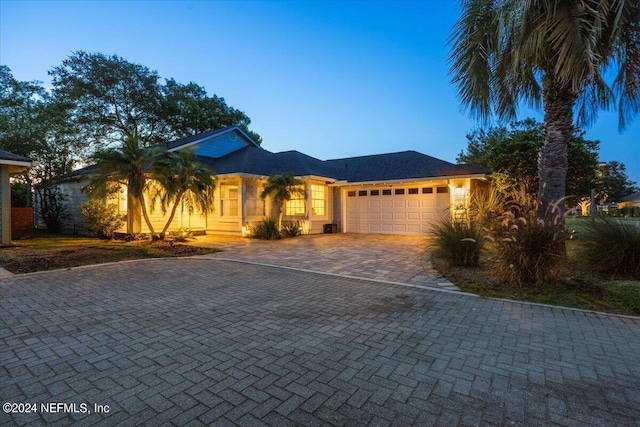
{"points": [[197, 342], [402, 259]]}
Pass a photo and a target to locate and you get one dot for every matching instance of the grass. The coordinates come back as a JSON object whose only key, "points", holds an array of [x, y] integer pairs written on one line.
{"points": [[54, 251], [576, 287]]}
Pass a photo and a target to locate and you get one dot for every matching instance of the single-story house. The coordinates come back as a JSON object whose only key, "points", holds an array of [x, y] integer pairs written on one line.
{"points": [[10, 164], [394, 193], [631, 201]]}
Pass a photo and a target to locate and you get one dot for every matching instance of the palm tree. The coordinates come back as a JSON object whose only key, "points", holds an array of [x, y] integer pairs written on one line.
{"points": [[181, 178], [282, 187], [549, 53], [126, 166]]}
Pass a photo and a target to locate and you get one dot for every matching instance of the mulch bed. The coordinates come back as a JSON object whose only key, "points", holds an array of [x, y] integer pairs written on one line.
{"points": [[20, 259]]}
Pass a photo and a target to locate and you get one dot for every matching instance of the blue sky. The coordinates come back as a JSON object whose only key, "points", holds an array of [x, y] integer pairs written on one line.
{"points": [[330, 79]]}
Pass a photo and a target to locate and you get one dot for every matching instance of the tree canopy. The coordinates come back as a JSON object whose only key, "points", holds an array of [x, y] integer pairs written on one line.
{"points": [[612, 183], [112, 99], [511, 153]]}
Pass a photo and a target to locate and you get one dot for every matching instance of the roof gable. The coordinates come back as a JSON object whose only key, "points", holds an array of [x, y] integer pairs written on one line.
{"points": [[214, 144]]}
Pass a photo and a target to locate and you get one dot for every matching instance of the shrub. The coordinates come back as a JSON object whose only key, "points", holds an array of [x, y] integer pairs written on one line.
{"points": [[291, 229], [181, 235], [611, 246], [529, 250], [459, 243], [266, 229], [102, 219]]}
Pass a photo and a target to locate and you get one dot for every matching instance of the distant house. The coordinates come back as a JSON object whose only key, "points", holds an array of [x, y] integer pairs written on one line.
{"points": [[394, 193], [10, 164], [632, 200]]}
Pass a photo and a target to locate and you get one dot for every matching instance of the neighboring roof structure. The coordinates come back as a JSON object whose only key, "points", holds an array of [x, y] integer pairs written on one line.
{"points": [[6, 155], [398, 166], [633, 197], [16, 163]]}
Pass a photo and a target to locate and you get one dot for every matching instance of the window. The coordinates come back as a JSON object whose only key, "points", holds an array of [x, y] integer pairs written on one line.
{"points": [[374, 192], [229, 200], [362, 193], [413, 191], [253, 204], [318, 200], [399, 191], [386, 192], [442, 190], [427, 190], [295, 206], [351, 194]]}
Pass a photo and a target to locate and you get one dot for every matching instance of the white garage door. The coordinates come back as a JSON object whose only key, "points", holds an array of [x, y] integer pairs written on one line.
{"points": [[396, 210]]}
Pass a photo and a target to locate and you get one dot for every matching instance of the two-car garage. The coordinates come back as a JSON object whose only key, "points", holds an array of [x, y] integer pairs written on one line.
{"points": [[398, 209]]}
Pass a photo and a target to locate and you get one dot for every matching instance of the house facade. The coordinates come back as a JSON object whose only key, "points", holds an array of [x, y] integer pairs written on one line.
{"points": [[395, 193], [631, 201]]}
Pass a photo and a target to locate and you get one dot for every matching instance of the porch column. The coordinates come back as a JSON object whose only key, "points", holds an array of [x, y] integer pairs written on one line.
{"points": [[5, 205]]}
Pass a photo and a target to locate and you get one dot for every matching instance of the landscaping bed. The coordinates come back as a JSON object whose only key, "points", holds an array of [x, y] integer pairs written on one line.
{"points": [[574, 288], [49, 252]]}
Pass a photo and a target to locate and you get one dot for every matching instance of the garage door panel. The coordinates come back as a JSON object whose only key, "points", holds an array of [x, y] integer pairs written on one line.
{"points": [[395, 213], [400, 228], [387, 228]]}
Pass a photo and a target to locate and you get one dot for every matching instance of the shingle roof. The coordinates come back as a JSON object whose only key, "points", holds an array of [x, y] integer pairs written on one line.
{"points": [[257, 161], [633, 197], [7, 155], [398, 166], [381, 167]]}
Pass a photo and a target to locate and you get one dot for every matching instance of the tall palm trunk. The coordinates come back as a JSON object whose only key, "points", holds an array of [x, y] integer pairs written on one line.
{"points": [[281, 209], [173, 213], [138, 193], [553, 157], [143, 205]]}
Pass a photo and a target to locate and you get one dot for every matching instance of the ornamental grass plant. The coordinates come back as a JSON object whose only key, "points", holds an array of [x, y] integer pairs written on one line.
{"points": [[529, 250], [611, 246], [458, 242]]}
